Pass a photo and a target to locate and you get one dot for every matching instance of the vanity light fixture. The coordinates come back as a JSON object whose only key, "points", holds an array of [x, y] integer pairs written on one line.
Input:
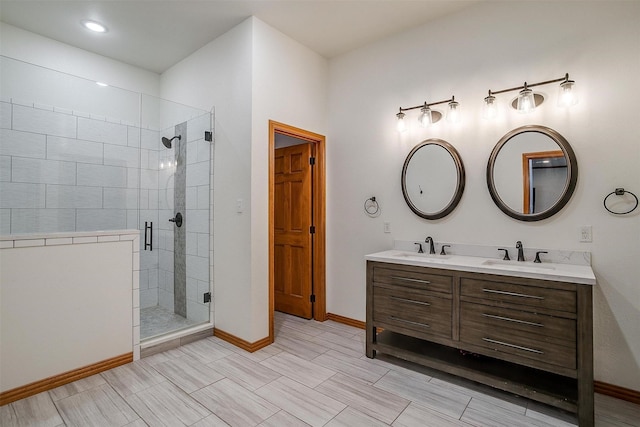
{"points": [[490, 109], [428, 116], [567, 96], [401, 125], [453, 113], [527, 100]]}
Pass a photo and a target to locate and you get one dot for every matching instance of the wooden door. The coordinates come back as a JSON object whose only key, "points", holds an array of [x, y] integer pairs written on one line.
{"points": [[292, 230]]}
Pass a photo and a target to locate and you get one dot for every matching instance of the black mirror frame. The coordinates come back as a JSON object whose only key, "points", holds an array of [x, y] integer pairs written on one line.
{"points": [[572, 170], [460, 175]]}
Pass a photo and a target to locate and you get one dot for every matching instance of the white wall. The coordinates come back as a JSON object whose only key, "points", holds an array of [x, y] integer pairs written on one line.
{"points": [[289, 86], [495, 45], [63, 307], [219, 74], [35, 49], [251, 74]]}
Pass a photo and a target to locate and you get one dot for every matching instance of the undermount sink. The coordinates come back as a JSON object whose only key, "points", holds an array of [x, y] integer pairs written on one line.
{"points": [[430, 257], [518, 265]]}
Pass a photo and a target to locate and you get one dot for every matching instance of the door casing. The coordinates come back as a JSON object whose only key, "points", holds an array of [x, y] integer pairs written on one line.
{"points": [[319, 286]]}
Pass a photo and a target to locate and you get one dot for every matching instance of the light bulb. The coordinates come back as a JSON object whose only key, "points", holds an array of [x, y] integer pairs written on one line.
{"points": [[401, 126], [425, 118], [526, 101], [490, 108], [567, 96], [161, 165], [453, 114]]}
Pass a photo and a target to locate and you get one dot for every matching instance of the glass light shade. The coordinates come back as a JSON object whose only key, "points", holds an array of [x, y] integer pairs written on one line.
{"points": [[490, 108], [453, 113], [401, 126], [526, 101], [567, 96], [425, 118]]}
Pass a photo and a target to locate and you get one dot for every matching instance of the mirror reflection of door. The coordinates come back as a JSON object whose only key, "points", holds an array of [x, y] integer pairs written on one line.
{"points": [[544, 176], [292, 222]]}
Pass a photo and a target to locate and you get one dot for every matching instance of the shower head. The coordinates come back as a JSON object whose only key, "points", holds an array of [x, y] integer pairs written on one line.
{"points": [[167, 141]]}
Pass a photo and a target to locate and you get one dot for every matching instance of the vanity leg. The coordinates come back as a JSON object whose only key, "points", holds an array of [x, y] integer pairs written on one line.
{"points": [[371, 339], [585, 357], [370, 328]]}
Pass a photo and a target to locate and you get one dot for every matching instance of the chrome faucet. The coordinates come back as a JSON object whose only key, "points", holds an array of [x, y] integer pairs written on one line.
{"points": [[429, 240], [520, 250]]}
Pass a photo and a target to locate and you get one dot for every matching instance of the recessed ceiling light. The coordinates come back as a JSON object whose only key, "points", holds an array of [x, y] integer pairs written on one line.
{"points": [[94, 26]]}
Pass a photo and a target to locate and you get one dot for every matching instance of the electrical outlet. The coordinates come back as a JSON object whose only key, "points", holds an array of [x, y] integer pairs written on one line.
{"points": [[239, 207], [585, 233], [387, 227]]}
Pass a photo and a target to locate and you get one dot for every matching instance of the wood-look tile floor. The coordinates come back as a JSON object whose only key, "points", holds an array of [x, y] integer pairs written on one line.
{"points": [[315, 374]]}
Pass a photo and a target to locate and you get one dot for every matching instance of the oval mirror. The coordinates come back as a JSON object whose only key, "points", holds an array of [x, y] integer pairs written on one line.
{"points": [[532, 173], [433, 179]]}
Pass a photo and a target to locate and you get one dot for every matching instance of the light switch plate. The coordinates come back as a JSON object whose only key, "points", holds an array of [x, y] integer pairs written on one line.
{"points": [[387, 227], [586, 234]]}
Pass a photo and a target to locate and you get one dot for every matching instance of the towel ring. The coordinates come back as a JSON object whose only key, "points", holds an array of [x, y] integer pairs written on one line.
{"points": [[371, 206], [620, 192]]}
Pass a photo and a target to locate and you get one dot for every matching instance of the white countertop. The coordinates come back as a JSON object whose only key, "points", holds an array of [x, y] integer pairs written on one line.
{"points": [[571, 273]]}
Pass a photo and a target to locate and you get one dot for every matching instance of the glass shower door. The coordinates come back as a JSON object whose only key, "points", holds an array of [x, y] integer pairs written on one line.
{"points": [[175, 212]]}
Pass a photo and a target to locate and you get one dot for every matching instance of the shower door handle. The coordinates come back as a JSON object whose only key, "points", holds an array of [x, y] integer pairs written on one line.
{"points": [[148, 235], [177, 219]]}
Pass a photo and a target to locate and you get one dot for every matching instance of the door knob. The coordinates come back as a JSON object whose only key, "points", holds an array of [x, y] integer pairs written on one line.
{"points": [[177, 219]]}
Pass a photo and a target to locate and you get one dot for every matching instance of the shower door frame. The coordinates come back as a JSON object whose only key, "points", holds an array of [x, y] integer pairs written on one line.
{"points": [[200, 326]]}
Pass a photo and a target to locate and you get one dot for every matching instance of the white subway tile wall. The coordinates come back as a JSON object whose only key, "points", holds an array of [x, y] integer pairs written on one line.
{"points": [[43, 171], [63, 170], [5, 115], [74, 150], [23, 144], [29, 119], [5, 221], [102, 131], [5, 168]]}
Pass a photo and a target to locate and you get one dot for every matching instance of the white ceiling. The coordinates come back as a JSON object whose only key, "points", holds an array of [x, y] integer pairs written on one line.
{"points": [[156, 34]]}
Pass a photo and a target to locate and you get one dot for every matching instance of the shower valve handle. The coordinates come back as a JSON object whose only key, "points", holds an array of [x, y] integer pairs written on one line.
{"points": [[177, 219]]}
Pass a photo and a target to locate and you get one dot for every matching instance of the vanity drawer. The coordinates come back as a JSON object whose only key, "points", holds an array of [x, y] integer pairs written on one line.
{"points": [[412, 309], [533, 326], [520, 295], [413, 279], [527, 350]]}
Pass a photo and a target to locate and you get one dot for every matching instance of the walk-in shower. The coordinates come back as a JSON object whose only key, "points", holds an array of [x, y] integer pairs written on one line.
{"points": [[75, 156]]}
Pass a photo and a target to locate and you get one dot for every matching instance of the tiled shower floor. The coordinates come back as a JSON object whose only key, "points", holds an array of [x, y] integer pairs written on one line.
{"points": [[158, 320]]}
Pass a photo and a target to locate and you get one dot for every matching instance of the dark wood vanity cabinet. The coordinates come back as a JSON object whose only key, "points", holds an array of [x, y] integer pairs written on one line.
{"points": [[527, 336]]}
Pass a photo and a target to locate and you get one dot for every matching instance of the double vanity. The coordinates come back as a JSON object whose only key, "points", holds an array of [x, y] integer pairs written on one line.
{"points": [[521, 327]]}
